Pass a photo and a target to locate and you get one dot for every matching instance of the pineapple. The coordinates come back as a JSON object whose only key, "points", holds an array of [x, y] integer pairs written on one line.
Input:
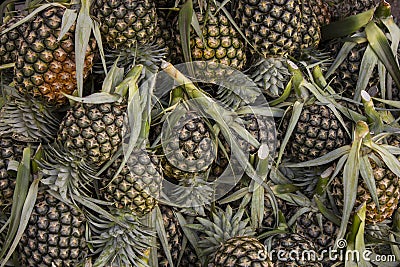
{"points": [[230, 242], [317, 132], [275, 28], [93, 131], [45, 66], [126, 24], [190, 151], [55, 235], [137, 187], [220, 41]]}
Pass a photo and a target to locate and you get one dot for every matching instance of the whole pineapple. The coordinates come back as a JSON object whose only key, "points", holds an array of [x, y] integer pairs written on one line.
{"points": [[137, 187], [45, 66], [126, 24], [276, 28], [55, 235], [93, 131], [230, 242], [188, 150], [317, 132], [220, 41]]}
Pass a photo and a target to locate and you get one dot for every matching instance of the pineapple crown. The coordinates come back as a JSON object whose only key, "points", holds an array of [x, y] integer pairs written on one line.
{"points": [[224, 226], [121, 240], [28, 118], [147, 55], [192, 194], [66, 174]]}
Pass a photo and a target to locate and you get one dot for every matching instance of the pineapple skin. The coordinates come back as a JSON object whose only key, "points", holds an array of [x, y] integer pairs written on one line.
{"points": [[45, 67], [55, 234], [125, 24], [93, 131]]}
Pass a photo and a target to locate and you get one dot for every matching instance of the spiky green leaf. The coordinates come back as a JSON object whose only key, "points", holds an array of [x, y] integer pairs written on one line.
{"points": [[380, 45], [346, 26]]}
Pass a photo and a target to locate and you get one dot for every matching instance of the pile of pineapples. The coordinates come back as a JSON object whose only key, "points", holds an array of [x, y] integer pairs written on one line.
{"points": [[199, 133]]}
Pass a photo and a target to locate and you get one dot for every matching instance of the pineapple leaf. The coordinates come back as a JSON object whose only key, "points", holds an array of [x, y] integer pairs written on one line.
{"points": [[390, 160], [97, 36], [19, 198], [162, 235], [68, 20], [327, 158], [296, 112], [327, 213], [392, 103], [239, 194], [350, 177], [285, 94], [28, 205], [394, 32], [113, 78], [367, 66], [346, 26], [380, 45], [189, 234], [368, 177], [84, 26], [185, 21], [356, 238], [344, 51], [96, 98], [257, 204]]}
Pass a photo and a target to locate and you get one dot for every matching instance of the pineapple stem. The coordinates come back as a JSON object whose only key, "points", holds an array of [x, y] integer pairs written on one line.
{"points": [[373, 116], [298, 79]]}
